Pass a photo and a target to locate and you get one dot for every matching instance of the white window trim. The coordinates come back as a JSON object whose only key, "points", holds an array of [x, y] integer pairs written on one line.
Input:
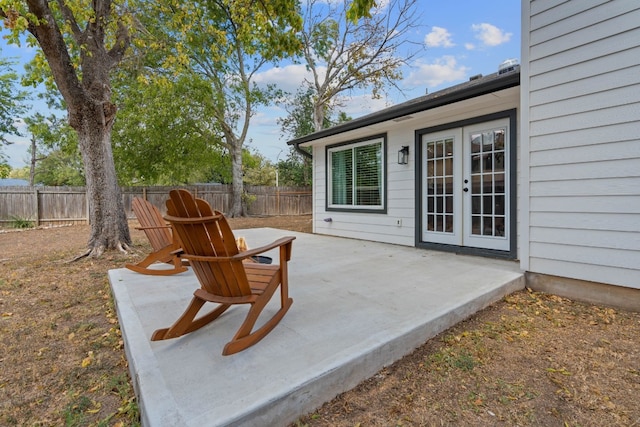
{"points": [[383, 161]]}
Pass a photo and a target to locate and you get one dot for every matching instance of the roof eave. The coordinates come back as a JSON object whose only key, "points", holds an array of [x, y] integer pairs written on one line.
{"points": [[493, 85]]}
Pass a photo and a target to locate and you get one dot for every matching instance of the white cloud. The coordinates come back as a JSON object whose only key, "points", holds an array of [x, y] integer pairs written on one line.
{"points": [[360, 105], [490, 35], [268, 116], [469, 46], [438, 37], [288, 78], [442, 70]]}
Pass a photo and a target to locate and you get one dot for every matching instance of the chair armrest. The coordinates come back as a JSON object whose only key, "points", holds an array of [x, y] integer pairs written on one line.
{"points": [[256, 251], [283, 243]]}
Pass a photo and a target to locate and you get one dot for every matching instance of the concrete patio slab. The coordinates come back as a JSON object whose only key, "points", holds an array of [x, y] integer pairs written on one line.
{"points": [[358, 306]]}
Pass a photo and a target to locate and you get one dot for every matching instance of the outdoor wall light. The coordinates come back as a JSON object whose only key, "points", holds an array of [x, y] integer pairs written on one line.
{"points": [[403, 155]]}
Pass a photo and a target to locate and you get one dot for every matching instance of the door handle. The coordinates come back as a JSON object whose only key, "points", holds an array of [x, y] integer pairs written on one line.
{"points": [[465, 189]]}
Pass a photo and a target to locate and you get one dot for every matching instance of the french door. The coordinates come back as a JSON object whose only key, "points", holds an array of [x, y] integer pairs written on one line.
{"points": [[465, 187]]}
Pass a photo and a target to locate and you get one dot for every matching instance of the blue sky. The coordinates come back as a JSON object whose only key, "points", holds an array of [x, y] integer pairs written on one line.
{"points": [[455, 39]]}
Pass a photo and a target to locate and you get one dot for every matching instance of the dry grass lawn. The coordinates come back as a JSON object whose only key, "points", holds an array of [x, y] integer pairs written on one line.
{"points": [[529, 360]]}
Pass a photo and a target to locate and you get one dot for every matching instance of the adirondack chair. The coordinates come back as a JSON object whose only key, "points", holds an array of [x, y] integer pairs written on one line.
{"points": [[210, 246], [164, 244]]}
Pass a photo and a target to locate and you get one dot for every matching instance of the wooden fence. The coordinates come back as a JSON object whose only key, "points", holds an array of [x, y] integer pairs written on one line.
{"points": [[69, 205]]}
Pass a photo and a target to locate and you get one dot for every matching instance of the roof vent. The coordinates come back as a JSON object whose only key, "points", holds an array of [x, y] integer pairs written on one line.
{"points": [[508, 66], [403, 118], [476, 77]]}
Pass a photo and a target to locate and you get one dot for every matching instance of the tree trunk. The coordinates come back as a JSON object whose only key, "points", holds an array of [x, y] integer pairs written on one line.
{"points": [[318, 115], [108, 220], [32, 168], [236, 173], [87, 93]]}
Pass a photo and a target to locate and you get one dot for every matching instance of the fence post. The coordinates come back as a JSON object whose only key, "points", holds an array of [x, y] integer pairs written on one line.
{"points": [[36, 202]]}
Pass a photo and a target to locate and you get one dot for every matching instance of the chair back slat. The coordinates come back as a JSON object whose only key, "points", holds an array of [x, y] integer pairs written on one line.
{"points": [[152, 223], [212, 237]]}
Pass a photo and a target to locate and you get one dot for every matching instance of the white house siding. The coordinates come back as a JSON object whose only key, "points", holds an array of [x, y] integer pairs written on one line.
{"points": [[581, 95], [401, 203]]}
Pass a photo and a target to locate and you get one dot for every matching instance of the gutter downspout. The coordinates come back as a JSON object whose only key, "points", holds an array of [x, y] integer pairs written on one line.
{"points": [[301, 151]]}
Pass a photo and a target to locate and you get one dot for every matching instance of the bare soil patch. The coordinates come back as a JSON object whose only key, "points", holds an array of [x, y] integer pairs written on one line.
{"points": [[531, 359]]}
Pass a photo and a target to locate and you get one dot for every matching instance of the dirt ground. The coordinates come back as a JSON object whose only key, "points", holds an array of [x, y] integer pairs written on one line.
{"points": [[531, 359]]}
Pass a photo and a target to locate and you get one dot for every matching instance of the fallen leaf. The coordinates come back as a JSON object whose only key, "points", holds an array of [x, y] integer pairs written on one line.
{"points": [[87, 360]]}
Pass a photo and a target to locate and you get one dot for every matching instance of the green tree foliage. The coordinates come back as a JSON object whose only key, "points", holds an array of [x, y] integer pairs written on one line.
{"points": [[299, 119], [12, 100], [258, 170], [60, 169], [164, 134], [12, 105], [57, 160], [20, 173], [5, 169], [225, 43], [360, 9], [296, 169]]}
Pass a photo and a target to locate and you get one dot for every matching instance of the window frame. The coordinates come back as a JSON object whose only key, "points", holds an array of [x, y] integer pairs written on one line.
{"points": [[351, 145]]}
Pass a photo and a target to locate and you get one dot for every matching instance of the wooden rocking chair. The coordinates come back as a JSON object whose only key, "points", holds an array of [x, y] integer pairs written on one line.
{"points": [[210, 246], [163, 242]]}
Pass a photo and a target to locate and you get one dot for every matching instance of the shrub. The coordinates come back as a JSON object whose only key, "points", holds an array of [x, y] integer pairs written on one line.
{"points": [[17, 222]]}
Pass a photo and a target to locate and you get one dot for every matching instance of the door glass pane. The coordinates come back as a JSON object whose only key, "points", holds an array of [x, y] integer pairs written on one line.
{"points": [[448, 147], [476, 204], [499, 205], [487, 155], [431, 186], [476, 184], [448, 185], [487, 183], [476, 224], [499, 139], [439, 185], [487, 225], [487, 205], [487, 141], [499, 183], [498, 161], [448, 223], [449, 204], [499, 226], [431, 222], [476, 142], [487, 163], [475, 164]]}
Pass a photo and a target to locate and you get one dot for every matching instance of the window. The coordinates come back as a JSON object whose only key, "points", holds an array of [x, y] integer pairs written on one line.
{"points": [[356, 175]]}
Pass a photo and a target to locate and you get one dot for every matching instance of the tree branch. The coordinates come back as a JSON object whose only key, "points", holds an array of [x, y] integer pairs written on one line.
{"points": [[50, 38]]}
